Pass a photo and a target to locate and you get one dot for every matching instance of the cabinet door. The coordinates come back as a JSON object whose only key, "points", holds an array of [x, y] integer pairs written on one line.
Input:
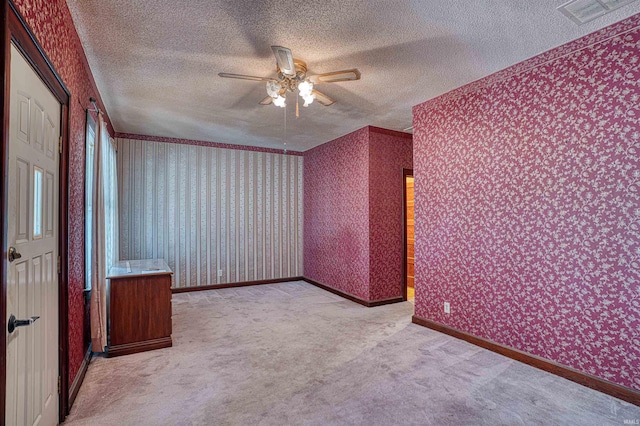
{"points": [[139, 309]]}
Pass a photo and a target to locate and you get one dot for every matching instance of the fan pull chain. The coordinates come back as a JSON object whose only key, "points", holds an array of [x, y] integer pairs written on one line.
{"points": [[285, 129], [297, 108]]}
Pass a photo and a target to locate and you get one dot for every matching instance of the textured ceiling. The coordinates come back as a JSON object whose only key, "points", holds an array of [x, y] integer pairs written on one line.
{"points": [[156, 62]]}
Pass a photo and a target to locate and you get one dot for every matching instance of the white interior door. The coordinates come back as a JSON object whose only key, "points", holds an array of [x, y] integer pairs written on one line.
{"points": [[32, 279]]}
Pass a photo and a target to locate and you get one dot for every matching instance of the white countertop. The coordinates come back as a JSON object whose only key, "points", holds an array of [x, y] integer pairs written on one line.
{"points": [[130, 268]]}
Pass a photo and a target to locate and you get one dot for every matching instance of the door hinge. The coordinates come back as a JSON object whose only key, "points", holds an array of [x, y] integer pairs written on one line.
{"points": [[60, 144], [59, 265], [59, 385]]}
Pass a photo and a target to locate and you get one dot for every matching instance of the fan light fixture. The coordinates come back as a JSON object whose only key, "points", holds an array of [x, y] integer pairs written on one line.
{"points": [[277, 89], [280, 101], [305, 88], [292, 76]]}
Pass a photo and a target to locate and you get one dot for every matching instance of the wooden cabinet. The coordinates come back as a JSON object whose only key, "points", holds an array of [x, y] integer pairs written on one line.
{"points": [[139, 306]]}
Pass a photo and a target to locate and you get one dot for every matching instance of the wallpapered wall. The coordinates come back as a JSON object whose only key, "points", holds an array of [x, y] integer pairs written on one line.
{"points": [[204, 208], [389, 153], [336, 213], [51, 22], [353, 212], [203, 143], [527, 206]]}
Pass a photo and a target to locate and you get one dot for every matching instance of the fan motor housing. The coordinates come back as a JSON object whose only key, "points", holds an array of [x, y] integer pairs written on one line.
{"points": [[290, 82]]}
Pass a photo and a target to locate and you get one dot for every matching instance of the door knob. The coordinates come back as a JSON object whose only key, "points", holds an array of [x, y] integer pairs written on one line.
{"points": [[15, 323], [13, 254]]}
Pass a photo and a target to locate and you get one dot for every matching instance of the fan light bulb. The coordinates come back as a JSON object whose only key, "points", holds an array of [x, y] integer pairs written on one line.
{"points": [[280, 101], [305, 88], [273, 88], [308, 100]]}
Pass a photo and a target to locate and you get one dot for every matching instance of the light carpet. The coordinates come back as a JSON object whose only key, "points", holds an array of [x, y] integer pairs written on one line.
{"points": [[288, 354]]}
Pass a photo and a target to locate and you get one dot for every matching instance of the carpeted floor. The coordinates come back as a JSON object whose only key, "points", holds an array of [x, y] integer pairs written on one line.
{"points": [[294, 354]]}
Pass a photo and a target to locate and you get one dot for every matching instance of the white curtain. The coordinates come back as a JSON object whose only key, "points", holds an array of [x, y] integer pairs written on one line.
{"points": [[104, 246]]}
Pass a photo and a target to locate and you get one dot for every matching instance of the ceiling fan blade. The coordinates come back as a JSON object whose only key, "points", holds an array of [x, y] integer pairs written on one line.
{"points": [[322, 98], [245, 77], [284, 57], [335, 76], [266, 101]]}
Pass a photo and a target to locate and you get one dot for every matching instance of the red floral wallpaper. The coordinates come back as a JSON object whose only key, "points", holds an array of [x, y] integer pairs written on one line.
{"points": [[336, 213], [51, 22], [353, 212], [527, 205], [389, 153]]}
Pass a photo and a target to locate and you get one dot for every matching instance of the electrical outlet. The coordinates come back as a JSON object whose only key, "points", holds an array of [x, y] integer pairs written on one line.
{"points": [[447, 308], [219, 272]]}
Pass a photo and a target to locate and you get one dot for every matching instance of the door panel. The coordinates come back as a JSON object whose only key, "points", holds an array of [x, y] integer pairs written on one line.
{"points": [[51, 135], [49, 205], [21, 185], [32, 225], [37, 125], [22, 119]]}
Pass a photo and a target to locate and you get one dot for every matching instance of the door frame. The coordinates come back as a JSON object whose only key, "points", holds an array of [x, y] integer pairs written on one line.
{"points": [[16, 30], [405, 174]]}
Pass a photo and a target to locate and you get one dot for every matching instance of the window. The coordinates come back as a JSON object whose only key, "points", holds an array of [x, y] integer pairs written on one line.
{"points": [[88, 202], [101, 201], [110, 200], [37, 202]]}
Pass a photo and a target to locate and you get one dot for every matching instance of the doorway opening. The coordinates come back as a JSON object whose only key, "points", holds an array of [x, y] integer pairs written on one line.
{"points": [[32, 234], [408, 241], [33, 298]]}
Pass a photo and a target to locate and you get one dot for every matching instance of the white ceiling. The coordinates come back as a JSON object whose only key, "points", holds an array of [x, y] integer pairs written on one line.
{"points": [[156, 61]]}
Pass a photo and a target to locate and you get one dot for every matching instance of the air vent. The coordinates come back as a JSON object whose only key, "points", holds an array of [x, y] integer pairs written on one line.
{"points": [[582, 11]]}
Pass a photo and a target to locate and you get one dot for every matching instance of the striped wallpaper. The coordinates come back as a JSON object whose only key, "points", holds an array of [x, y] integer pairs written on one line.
{"points": [[215, 215]]}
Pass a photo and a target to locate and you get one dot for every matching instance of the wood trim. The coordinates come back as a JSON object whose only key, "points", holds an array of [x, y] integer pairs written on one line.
{"points": [[405, 173], [601, 385], [63, 275], [26, 42], [17, 30], [5, 107], [380, 302], [353, 298], [232, 285], [132, 348], [367, 303], [338, 292], [77, 382]]}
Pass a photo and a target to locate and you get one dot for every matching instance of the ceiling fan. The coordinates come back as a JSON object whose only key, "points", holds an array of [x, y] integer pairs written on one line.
{"points": [[292, 76]]}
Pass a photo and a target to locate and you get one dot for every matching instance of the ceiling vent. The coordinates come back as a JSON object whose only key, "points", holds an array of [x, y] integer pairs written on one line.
{"points": [[582, 11]]}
